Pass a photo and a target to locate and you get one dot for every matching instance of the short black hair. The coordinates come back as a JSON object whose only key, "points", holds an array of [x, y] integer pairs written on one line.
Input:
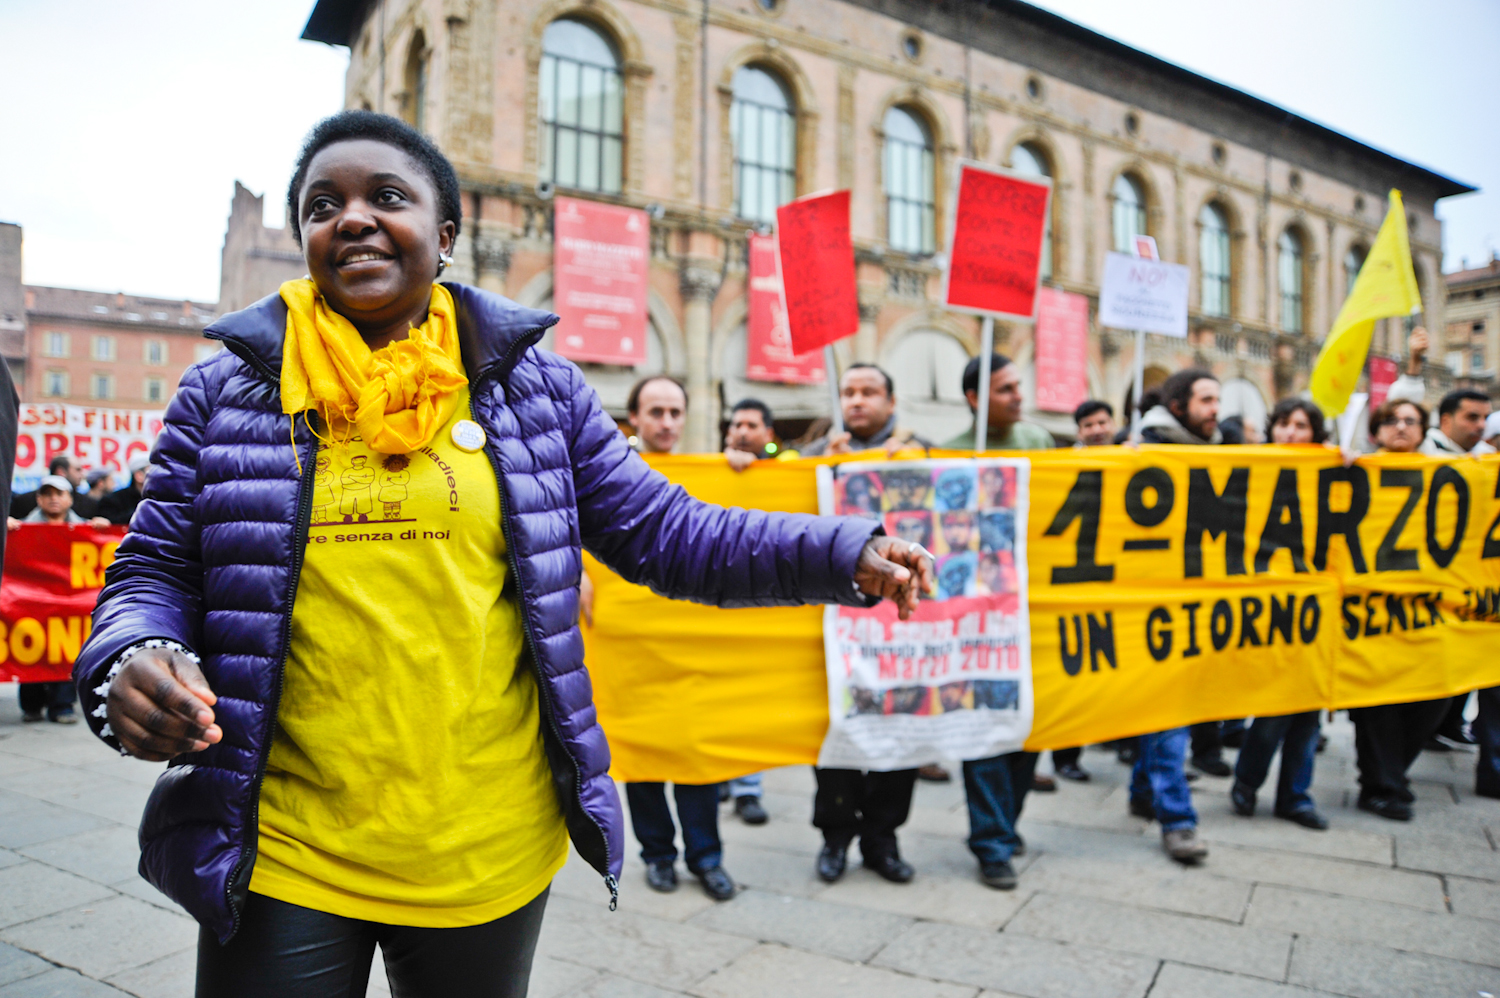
{"points": [[347, 126], [633, 400], [998, 361], [757, 405], [1179, 387], [890, 386], [59, 463], [1087, 409], [1283, 412], [1450, 403]]}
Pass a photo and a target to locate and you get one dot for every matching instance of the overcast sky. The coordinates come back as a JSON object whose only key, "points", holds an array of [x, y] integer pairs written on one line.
{"points": [[124, 134]]}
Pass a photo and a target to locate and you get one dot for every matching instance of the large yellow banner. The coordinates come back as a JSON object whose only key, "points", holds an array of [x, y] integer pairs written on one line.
{"points": [[1168, 585]]}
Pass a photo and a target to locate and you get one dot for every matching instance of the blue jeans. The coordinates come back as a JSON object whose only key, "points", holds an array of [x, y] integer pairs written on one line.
{"points": [[1297, 736], [996, 788], [1487, 733], [697, 809], [1158, 779], [745, 786]]}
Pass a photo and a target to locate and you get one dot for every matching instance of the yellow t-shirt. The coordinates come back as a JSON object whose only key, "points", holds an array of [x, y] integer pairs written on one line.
{"points": [[407, 782]]}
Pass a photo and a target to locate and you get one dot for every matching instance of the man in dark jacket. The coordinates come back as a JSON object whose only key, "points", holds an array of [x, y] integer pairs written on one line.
{"points": [[867, 401], [119, 506]]}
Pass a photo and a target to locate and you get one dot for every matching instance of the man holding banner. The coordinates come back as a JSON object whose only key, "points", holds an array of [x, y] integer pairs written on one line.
{"points": [[1007, 430]]}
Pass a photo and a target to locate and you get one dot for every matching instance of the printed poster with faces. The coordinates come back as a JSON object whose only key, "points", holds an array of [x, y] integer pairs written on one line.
{"points": [[953, 681]]}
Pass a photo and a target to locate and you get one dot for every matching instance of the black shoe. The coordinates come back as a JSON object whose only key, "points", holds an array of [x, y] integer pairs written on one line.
{"points": [[1020, 849], [832, 860], [891, 867], [1191, 775], [33, 716], [1405, 796], [1243, 799], [1073, 771], [750, 811], [1213, 766], [723, 792], [1386, 807], [1307, 818], [661, 877], [62, 715], [1435, 744], [1322, 742], [1127, 754], [1042, 784], [1487, 792], [1142, 809], [717, 883], [1001, 875]]}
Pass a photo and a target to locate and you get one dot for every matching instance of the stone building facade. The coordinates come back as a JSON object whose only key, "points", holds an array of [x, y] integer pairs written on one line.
{"points": [[706, 112], [1472, 338], [256, 258]]}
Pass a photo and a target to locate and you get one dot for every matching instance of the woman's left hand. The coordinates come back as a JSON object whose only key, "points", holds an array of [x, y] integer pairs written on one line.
{"points": [[897, 570]]}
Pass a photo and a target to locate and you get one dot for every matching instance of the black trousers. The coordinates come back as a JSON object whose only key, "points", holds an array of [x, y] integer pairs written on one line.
{"points": [[1452, 725], [1388, 739], [1487, 733], [45, 696], [1066, 757], [1207, 739], [872, 806], [285, 951]]}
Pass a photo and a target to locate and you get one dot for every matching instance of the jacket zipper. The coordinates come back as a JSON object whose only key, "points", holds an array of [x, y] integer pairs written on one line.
{"points": [[541, 683], [299, 548]]}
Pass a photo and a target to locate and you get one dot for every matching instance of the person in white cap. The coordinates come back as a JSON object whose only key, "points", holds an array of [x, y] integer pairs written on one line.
{"points": [[119, 506]]}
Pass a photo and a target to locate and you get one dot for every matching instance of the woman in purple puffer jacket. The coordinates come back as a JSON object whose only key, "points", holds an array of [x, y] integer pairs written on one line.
{"points": [[345, 614]]}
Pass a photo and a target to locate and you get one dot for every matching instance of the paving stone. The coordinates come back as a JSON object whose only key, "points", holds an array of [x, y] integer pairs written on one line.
{"points": [[170, 977], [1134, 846], [933, 855], [621, 987], [104, 855], [56, 744], [959, 900], [1474, 897], [832, 929], [1468, 855], [775, 871], [797, 781], [9, 858], [637, 946], [1369, 971], [1089, 806], [32, 890], [1166, 886], [951, 822], [776, 972], [57, 983], [127, 768], [105, 937], [1267, 833], [551, 977], [1329, 876], [1179, 981], [1017, 964], [17, 964], [1198, 941], [26, 820], [1322, 916], [137, 888], [796, 836], [115, 801]]}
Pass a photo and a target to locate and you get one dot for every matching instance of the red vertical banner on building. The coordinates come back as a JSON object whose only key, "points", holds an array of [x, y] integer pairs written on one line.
{"points": [[995, 252], [768, 341], [600, 256], [1383, 372], [1062, 340], [817, 270]]}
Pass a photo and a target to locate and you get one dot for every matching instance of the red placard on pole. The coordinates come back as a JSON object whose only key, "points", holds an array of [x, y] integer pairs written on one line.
{"points": [[600, 256], [1383, 374], [768, 349], [817, 269], [995, 250], [1062, 338]]}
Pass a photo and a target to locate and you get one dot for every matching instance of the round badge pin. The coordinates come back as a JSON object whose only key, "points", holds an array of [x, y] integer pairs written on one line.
{"points": [[468, 435]]}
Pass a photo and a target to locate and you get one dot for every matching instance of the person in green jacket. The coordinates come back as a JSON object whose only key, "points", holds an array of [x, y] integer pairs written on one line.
{"points": [[1008, 431]]}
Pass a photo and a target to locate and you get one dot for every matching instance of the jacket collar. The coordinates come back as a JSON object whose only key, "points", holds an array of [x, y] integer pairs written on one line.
{"points": [[493, 332], [1160, 419]]}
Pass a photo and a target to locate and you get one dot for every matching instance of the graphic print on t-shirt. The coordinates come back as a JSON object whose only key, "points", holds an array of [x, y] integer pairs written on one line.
{"points": [[353, 486]]}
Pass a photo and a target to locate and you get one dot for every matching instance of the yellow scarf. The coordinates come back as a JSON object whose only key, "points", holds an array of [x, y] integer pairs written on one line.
{"points": [[396, 398]]}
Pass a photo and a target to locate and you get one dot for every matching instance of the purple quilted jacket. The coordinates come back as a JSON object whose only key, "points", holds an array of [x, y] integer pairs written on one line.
{"points": [[215, 551]]}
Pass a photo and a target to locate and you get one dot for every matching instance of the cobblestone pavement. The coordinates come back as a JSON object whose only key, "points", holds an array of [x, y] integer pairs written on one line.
{"points": [[1368, 908]]}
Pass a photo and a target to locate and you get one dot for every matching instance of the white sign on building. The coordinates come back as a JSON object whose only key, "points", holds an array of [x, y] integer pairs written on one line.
{"points": [[1147, 295]]}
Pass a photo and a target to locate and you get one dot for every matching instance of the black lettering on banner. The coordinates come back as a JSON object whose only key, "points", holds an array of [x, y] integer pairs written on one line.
{"points": [[1250, 611], [1395, 612], [1351, 622], [1192, 650], [1307, 629], [1388, 557], [1072, 661], [1277, 535], [1101, 641], [1221, 624], [1491, 542], [1082, 504], [1344, 524], [1445, 477], [1434, 611], [1370, 629], [1282, 616], [1416, 618], [1158, 633], [1158, 482], [1215, 513]]}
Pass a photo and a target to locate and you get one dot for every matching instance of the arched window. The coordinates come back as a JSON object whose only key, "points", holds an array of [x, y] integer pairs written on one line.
{"points": [[1213, 259], [765, 144], [1029, 158], [1129, 216], [415, 81], [1353, 260], [1289, 265], [909, 192], [582, 109]]}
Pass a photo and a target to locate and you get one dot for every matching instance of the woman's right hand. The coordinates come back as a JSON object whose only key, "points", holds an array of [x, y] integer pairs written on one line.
{"points": [[158, 706]]}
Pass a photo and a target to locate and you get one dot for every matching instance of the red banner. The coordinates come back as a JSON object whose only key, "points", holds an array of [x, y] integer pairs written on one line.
{"points": [[996, 250], [817, 269], [1062, 342], [600, 256], [52, 579], [1383, 373], [768, 339]]}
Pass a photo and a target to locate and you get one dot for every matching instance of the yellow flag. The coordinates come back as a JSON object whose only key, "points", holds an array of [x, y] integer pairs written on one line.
{"points": [[1386, 286]]}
